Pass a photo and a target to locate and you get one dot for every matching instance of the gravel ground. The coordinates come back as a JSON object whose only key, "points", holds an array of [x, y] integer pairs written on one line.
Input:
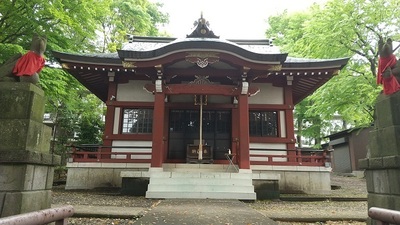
{"points": [[349, 187]]}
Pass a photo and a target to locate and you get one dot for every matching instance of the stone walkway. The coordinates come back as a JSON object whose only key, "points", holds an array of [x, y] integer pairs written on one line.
{"points": [[208, 211]]}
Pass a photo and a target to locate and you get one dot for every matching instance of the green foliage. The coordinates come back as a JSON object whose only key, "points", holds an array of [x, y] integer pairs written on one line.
{"points": [[123, 17], [8, 50], [68, 24], [73, 26], [341, 28]]}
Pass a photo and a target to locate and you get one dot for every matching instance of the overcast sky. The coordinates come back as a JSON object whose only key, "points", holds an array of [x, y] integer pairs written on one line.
{"points": [[229, 19]]}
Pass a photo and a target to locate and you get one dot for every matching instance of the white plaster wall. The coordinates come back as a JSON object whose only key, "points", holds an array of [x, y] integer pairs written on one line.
{"points": [[180, 98], [211, 99], [282, 120], [262, 149], [116, 120], [134, 91], [145, 147], [219, 99], [268, 95]]}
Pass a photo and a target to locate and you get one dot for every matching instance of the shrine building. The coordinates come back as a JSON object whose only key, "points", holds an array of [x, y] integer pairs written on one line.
{"points": [[199, 117]]}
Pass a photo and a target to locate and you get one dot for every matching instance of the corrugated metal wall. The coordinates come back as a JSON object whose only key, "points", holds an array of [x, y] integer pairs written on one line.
{"points": [[341, 158]]}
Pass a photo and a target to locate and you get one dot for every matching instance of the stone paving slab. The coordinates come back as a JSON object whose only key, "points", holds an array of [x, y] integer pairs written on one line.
{"points": [[205, 211]]}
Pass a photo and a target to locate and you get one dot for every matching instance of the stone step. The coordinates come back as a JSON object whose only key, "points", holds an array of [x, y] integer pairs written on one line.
{"points": [[202, 181], [200, 188], [206, 175], [200, 195]]}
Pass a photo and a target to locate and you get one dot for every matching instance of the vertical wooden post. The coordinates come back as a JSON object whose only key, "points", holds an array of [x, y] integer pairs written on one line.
{"points": [[157, 154], [290, 122], [110, 115], [244, 137], [200, 155], [235, 132]]}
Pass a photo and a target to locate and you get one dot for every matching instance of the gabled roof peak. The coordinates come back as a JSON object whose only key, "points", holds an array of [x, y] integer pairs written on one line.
{"points": [[202, 29]]}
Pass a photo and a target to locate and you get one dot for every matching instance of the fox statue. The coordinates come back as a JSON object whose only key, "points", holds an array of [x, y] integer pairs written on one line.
{"points": [[25, 68]]}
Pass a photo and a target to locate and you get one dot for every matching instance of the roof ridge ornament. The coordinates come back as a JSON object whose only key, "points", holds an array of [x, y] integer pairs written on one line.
{"points": [[202, 29]]}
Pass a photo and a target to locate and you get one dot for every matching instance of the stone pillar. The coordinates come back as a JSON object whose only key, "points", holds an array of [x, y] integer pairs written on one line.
{"points": [[382, 167], [26, 166]]}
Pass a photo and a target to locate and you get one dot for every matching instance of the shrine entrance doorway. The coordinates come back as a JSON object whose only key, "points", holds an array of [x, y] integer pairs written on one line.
{"points": [[184, 131]]}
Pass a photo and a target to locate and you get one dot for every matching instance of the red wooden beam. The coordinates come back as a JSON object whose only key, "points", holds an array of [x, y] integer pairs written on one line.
{"points": [[201, 89]]}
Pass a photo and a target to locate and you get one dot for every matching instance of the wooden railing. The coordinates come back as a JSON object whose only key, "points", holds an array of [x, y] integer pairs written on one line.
{"points": [[284, 157], [290, 157], [98, 153]]}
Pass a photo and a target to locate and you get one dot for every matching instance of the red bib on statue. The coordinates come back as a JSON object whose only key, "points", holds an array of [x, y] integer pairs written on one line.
{"points": [[29, 64]]}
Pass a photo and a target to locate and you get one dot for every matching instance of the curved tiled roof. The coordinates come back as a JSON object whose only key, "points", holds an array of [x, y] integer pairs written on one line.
{"points": [[260, 57]]}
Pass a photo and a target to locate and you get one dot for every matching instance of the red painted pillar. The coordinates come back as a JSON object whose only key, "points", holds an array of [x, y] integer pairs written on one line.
{"points": [[110, 115], [290, 122], [235, 133], [157, 154], [244, 137]]}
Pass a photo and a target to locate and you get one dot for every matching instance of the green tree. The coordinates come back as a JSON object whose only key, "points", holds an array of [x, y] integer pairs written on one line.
{"points": [[73, 26], [128, 17], [341, 28], [68, 24]]}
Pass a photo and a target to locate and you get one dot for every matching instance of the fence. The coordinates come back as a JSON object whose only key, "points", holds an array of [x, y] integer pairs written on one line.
{"points": [[98, 153], [58, 215], [142, 154], [289, 157]]}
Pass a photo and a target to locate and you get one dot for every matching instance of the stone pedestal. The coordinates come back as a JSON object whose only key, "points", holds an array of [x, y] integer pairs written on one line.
{"points": [[26, 166], [382, 167]]}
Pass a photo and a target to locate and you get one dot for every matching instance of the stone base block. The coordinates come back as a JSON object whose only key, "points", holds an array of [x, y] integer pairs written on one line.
{"points": [[24, 134], [13, 203], [387, 110], [21, 101], [384, 181], [384, 201], [306, 182], [384, 142], [89, 178], [26, 177]]}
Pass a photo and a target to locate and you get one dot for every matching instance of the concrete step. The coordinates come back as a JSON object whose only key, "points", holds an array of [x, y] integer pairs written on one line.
{"points": [[205, 175], [199, 181], [200, 188], [200, 195], [200, 184]]}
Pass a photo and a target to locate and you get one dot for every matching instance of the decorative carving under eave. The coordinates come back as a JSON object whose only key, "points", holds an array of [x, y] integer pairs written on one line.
{"points": [[245, 88], [202, 59], [158, 85], [275, 68], [336, 72], [65, 66], [202, 29], [128, 64], [201, 80], [289, 80]]}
